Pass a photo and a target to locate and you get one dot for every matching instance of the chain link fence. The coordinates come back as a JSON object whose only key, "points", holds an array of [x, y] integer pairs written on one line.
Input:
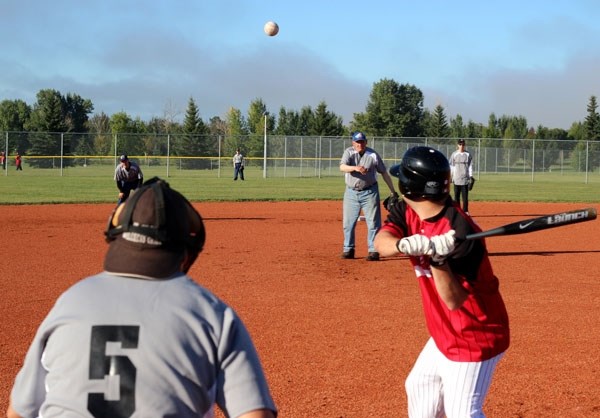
{"points": [[277, 156]]}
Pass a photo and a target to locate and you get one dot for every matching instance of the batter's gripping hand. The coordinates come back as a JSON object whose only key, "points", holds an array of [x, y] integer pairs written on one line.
{"points": [[390, 201], [415, 245], [441, 246]]}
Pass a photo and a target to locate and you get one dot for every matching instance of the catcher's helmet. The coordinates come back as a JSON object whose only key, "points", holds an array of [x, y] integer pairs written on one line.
{"points": [[423, 172], [151, 232]]}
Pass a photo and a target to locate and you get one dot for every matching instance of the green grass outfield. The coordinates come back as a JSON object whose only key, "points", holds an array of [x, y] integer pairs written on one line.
{"points": [[39, 186]]}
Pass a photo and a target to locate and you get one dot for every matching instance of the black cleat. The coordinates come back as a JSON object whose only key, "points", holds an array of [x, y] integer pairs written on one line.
{"points": [[373, 256], [348, 254]]}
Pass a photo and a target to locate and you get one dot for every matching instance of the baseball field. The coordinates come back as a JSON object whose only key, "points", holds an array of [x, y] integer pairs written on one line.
{"points": [[338, 337]]}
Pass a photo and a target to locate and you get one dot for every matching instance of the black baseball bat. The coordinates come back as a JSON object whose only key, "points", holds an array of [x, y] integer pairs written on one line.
{"points": [[537, 224]]}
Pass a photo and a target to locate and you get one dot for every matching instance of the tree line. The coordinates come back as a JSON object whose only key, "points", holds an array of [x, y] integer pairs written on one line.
{"points": [[393, 110]]}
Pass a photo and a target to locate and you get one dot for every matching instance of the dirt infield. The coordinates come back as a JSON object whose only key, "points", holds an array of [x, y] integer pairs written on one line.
{"points": [[338, 337]]}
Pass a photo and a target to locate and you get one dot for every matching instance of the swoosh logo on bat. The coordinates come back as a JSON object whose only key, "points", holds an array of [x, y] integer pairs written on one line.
{"points": [[523, 226]]}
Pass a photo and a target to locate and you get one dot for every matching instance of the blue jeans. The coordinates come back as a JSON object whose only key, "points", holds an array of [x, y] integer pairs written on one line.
{"points": [[238, 170], [368, 201]]}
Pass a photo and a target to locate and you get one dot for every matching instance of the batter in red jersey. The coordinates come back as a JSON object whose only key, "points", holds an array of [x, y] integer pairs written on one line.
{"points": [[464, 311]]}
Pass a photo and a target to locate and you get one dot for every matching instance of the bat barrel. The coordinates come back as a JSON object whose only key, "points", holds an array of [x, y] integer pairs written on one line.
{"points": [[537, 224]]}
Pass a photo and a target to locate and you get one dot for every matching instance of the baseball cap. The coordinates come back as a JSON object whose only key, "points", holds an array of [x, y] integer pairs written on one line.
{"points": [[358, 136], [149, 233], [123, 158], [461, 141]]}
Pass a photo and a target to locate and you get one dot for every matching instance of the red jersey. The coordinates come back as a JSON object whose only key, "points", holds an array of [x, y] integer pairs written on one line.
{"points": [[478, 330]]}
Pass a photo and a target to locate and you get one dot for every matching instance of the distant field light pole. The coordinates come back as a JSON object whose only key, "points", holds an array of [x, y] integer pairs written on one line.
{"points": [[265, 114]]}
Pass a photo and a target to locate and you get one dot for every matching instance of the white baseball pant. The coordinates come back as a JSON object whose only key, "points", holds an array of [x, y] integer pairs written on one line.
{"points": [[437, 386]]}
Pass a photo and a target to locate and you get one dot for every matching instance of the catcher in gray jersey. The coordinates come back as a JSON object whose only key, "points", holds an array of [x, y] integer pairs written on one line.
{"points": [[141, 339]]}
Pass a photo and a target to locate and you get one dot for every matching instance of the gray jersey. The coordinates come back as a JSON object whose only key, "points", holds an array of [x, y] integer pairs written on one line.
{"points": [[133, 174], [238, 159], [461, 167], [370, 160], [125, 347]]}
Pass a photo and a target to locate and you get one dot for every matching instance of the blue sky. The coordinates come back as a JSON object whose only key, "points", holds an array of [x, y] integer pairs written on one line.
{"points": [[538, 59]]}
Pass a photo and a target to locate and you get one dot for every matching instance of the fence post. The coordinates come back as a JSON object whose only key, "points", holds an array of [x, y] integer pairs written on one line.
{"points": [[318, 157], [168, 153], [116, 140], [219, 147], [62, 141], [478, 158], [6, 154], [285, 155], [532, 159], [265, 147], [587, 159]]}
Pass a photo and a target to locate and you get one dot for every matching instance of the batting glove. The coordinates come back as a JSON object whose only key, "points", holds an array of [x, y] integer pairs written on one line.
{"points": [[442, 246], [414, 245]]}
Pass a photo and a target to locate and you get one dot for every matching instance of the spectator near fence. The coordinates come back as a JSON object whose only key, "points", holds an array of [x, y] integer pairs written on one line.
{"points": [[461, 166], [3, 160], [238, 165], [19, 162]]}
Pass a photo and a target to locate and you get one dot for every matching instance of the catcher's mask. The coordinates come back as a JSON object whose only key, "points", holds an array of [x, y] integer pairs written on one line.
{"points": [[155, 233], [423, 173]]}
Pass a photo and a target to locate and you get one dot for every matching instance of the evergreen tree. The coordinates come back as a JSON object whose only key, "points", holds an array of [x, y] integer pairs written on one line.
{"points": [[492, 129], [193, 141], [326, 123], [457, 127], [474, 130], [237, 132], [438, 125], [287, 122], [257, 117], [47, 121], [587, 150], [306, 120], [592, 120], [76, 111]]}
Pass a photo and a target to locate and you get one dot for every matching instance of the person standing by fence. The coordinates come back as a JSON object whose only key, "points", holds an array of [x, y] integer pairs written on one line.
{"points": [[19, 162], [3, 160], [461, 166], [238, 165]]}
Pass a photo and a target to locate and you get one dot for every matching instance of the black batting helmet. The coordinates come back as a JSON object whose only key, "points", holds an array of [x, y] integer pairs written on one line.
{"points": [[423, 172]]}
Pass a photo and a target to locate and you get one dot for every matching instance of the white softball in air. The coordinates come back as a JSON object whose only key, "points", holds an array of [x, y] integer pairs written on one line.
{"points": [[271, 28]]}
